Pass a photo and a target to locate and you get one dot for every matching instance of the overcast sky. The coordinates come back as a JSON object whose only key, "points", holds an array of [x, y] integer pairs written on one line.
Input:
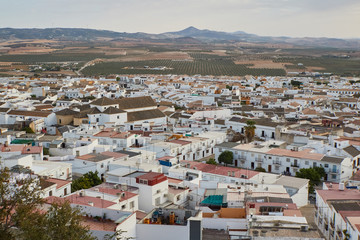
{"points": [[299, 18]]}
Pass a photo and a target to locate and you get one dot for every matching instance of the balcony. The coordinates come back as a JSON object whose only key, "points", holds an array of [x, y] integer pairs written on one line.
{"points": [[339, 234], [332, 225], [295, 165], [278, 163], [332, 233], [260, 160]]}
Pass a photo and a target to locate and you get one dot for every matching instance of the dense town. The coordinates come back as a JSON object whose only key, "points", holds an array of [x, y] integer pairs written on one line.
{"points": [[191, 157]]}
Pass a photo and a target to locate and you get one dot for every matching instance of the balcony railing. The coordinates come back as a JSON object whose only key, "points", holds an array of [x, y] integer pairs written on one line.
{"points": [[259, 160], [332, 225], [295, 165], [277, 163], [339, 234]]}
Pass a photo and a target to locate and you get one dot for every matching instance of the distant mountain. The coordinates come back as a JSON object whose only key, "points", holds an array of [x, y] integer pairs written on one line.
{"points": [[202, 34], [190, 35], [56, 33]]}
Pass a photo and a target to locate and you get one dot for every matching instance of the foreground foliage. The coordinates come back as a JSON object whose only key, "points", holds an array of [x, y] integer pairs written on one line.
{"points": [[25, 216]]}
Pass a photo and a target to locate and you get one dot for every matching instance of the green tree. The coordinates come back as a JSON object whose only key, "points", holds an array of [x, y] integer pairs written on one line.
{"points": [[260, 169], [313, 174], [28, 130], [24, 216], [211, 161], [250, 130], [295, 83], [46, 151], [226, 157], [18, 199], [67, 224], [88, 180]]}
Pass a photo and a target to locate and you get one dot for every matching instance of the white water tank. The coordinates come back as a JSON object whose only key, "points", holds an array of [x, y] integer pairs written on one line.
{"points": [[341, 186]]}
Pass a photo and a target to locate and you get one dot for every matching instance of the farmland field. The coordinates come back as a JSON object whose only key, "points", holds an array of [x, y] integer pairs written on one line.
{"points": [[204, 67], [55, 57], [145, 57], [339, 66]]}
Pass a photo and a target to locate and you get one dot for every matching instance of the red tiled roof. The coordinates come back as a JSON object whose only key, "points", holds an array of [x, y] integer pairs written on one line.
{"points": [[85, 200], [94, 224], [29, 113], [174, 180], [114, 154], [306, 154], [345, 214], [53, 199], [32, 150], [115, 192], [140, 215], [165, 158], [24, 149], [220, 170], [59, 182], [182, 142], [335, 194]]}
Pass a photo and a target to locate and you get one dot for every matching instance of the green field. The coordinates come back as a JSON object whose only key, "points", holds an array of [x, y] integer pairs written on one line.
{"points": [[340, 66], [214, 67], [53, 57]]}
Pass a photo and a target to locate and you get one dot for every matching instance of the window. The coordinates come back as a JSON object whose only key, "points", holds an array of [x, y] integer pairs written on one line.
{"points": [[270, 157], [326, 165], [277, 168], [178, 198], [123, 206], [132, 204], [65, 191], [118, 117], [333, 176], [102, 165], [306, 162], [288, 159], [50, 193]]}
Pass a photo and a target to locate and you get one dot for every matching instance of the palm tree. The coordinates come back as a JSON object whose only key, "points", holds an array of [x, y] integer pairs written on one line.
{"points": [[250, 130]]}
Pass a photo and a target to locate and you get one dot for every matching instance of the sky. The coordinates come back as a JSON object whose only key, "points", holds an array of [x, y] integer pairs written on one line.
{"points": [[294, 18]]}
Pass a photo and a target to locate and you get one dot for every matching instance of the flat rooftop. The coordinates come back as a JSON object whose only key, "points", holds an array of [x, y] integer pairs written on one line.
{"points": [[163, 215]]}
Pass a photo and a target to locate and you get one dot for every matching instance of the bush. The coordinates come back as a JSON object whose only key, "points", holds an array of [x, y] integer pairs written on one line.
{"points": [[260, 169], [226, 157], [211, 161], [88, 180], [28, 130], [46, 151]]}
